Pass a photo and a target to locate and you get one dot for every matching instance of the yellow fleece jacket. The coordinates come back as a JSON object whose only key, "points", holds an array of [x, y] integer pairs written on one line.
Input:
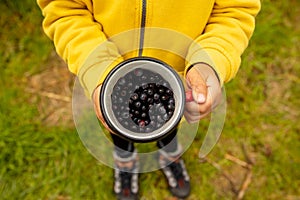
{"points": [[94, 36]]}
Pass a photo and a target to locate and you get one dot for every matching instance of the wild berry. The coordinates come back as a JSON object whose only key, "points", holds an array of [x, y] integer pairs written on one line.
{"points": [[150, 91], [143, 115], [169, 92], [134, 96], [144, 108], [136, 113], [150, 101], [142, 123], [143, 97], [156, 96], [138, 104], [164, 98]]}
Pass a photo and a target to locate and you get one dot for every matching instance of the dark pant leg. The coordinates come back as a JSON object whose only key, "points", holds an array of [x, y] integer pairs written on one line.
{"points": [[169, 143], [123, 147]]}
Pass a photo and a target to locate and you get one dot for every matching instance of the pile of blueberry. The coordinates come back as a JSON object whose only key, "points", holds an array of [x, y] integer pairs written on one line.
{"points": [[142, 101]]}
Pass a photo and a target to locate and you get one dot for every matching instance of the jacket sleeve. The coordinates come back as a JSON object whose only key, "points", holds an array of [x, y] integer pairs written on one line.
{"points": [[225, 37], [76, 36]]}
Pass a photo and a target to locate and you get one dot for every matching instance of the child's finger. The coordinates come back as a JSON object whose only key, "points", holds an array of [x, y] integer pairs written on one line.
{"points": [[198, 85], [97, 108]]}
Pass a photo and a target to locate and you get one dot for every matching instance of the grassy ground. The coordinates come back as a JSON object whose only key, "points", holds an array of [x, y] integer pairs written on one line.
{"points": [[41, 161]]}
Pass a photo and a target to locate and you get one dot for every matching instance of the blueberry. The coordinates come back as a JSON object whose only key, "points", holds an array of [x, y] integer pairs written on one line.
{"points": [[143, 115], [135, 120], [171, 107], [143, 97], [150, 100], [134, 96], [150, 92], [164, 98], [136, 112], [161, 90], [144, 108], [169, 92], [138, 104], [156, 96], [171, 101], [147, 122], [142, 123]]}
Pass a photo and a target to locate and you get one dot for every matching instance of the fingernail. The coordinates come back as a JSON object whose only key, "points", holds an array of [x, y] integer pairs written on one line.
{"points": [[201, 98]]}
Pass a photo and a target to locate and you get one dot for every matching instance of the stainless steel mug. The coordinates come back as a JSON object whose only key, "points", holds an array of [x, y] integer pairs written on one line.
{"points": [[142, 99]]}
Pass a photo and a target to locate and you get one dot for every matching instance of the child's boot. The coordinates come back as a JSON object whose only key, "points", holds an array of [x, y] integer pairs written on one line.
{"points": [[126, 177], [175, 172]]}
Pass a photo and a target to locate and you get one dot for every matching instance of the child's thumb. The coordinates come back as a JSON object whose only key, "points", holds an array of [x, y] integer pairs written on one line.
{"points": [[199, 93], [198, 85]]}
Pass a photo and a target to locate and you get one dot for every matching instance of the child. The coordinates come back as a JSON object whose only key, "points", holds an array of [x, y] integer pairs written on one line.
{"points": [[220, 29]]}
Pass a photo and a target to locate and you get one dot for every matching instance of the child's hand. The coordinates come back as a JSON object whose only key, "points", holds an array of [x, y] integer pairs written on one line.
{"points": [[97, 108], [206, 92]]}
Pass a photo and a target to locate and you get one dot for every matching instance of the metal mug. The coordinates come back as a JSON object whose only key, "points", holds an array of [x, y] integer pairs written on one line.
{"points": [[142, 99]]}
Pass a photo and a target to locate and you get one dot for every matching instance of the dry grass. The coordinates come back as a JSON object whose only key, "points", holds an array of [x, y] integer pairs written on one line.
{"points": [[52, 93]]}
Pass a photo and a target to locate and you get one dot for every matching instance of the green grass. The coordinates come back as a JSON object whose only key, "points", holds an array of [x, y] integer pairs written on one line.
{"points": [[49, 162]]}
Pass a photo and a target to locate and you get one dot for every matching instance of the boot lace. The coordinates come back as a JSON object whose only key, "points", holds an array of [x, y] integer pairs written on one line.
{"points": [[177, 170], [125, 179]]}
